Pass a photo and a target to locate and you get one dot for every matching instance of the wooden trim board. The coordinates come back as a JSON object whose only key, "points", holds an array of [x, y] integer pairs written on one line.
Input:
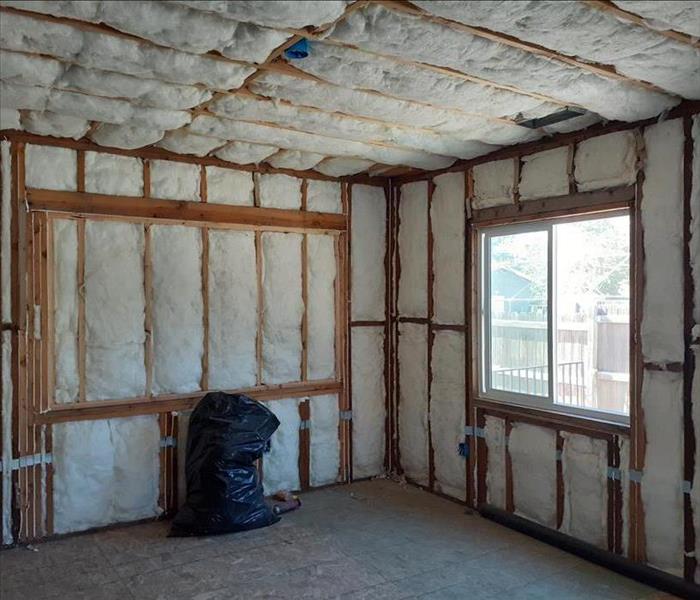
{"points": [[182, 212]]}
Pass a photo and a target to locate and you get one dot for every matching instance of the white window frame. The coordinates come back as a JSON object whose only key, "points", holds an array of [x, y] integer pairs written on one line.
{"points": [[484, 235]]}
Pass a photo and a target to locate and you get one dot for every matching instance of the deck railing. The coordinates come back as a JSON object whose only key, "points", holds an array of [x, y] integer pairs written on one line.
{"points": [[534, 381]]}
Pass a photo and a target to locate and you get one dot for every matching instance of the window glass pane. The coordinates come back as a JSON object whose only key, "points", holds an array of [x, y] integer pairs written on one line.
{"points": [[518, 313], [592, 295]]}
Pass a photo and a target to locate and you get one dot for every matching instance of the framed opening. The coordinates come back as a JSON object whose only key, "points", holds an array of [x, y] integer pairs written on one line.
{"points": [[555, 314]]}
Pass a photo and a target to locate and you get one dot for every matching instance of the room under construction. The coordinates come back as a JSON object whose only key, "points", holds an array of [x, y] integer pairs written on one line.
{"points": [[365, 299]]}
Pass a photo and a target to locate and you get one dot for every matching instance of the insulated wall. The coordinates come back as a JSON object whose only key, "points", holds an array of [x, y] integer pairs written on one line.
{"points": [[554, 477], [431, 342], [600, 487], [368, 327], [143, 313]]}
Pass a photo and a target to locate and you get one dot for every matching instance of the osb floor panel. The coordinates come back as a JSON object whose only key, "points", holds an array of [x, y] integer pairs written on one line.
{"points": [[373, 540]]}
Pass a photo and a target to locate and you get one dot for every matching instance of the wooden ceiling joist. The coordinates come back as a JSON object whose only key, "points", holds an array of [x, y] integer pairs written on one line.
{"points": [[602, 70], [624, 15]]}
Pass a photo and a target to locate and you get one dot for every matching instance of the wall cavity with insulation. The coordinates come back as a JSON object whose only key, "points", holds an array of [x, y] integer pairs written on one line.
{"points": [[368, 329], [137, 312], [630, 492], [431, 346]]}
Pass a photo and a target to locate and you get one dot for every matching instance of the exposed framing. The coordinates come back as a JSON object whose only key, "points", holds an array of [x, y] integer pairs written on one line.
{"points": [[32, 274]]}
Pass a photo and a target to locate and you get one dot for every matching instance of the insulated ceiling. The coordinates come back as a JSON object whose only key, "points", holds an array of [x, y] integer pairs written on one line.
{"points": [[386, 87]]}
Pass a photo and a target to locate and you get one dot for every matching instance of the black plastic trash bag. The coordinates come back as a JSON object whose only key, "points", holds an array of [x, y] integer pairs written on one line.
{"points": [[227, 433]]}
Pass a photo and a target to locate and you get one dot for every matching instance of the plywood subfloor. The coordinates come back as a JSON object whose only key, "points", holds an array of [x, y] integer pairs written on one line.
{"points": [[373, 540]]}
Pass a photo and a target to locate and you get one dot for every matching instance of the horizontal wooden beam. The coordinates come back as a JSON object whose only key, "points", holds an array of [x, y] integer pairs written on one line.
{"points": [[552, 419], [557, 206], [190, 213], [105, 409]]}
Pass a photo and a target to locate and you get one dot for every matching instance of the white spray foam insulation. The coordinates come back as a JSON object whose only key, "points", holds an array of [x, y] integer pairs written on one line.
{"points": [[233, 316], [447, 219], [368, 401], [182, 142], [294, 159], [413, 250], [544, 174], [380, 30], [662, 495], [494, 183], [126, 137], [113, 174], [6, 424], [625, 484], [227, 186], [368, 250], [178, 330], [48, 123], [321, 265], [94, 108], [10, 119], [27, 69], [283, 307], [51, 168], [65, 249], [495, 434], [243, 153], [281, 463], [584, 471], [341, 126], [114, 310], [292, 139], [351, 68], [428, 119], [447, 395], [680, 16], [533, 455], [178, 27], [5, 236], [23, 96], [92, 49], [662, 221], [280, 191], [606, 161], [323, 196], [695, 490], [588, 33], [413, 401], [281, 14], [340, 167], [324, 460], [105, 472], [139, 91], [175, 180]]}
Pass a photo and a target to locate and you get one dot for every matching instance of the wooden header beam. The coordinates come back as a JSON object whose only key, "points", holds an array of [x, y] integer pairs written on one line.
{"points": [[191, 213], [105, 409], [557, 206]]}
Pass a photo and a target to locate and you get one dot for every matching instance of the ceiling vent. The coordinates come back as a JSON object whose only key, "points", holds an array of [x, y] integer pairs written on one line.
{"points": [[565, 114]]}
